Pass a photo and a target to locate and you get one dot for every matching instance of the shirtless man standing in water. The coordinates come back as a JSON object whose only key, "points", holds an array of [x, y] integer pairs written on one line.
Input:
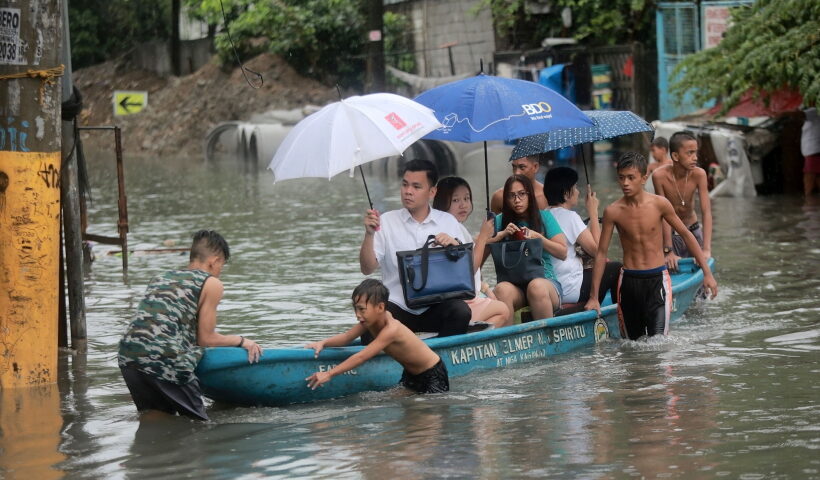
{"points": [[644, 286], [678, 183]]}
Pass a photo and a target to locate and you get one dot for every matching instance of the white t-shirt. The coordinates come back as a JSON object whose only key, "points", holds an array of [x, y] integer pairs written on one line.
{"points": [[399, 232], [467, 238], [570, 272], [810, 137]]}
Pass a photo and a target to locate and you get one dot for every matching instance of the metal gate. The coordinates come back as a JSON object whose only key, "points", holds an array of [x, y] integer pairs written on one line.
{"points": [[682, 29]]}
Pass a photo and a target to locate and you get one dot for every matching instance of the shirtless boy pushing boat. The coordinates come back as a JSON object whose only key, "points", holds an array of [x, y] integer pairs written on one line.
{"points": [[644, 287], [424, 371]]}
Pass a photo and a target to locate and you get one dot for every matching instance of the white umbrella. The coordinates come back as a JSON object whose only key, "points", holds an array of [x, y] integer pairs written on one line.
{"points": [[350, 132]]}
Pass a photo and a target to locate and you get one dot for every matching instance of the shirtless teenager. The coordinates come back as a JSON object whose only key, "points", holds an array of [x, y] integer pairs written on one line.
{"points": [[645, 287], [424, 371], [527, 166], [678, 183], [660, 153]]}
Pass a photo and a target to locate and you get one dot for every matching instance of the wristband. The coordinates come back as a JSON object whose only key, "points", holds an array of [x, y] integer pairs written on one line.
{"points": [[241, 342]]}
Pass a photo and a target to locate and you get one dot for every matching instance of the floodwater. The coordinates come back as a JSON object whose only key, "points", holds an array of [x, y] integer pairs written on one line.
{"points": [[733, 392]]}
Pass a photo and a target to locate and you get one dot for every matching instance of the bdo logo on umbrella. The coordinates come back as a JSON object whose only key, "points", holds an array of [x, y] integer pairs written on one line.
{"points": [[537, 109]]}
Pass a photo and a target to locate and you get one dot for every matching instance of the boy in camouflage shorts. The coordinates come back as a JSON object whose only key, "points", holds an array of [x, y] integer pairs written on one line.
{"points": [[176, 318]]}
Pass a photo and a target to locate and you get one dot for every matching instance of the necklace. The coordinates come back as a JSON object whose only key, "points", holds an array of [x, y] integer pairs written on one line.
{"points": [[685, 182]]}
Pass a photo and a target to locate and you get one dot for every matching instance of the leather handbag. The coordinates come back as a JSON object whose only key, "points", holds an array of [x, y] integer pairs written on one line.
{"points": [[518, 261], [432, 275]]}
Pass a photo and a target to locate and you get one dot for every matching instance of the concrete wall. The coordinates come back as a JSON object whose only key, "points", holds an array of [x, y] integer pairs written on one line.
{"points": [[156, 56], [441, 22]]}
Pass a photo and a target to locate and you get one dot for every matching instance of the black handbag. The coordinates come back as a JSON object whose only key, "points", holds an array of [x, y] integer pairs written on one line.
{"points": [[518, 261], [432, 275]]}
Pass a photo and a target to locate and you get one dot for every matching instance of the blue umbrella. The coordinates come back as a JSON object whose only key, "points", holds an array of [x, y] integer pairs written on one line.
{"points": [[485, 108], [607, 124]]}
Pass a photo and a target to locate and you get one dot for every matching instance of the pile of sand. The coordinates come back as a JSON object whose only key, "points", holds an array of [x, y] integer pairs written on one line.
{"points": [[181, 110]]}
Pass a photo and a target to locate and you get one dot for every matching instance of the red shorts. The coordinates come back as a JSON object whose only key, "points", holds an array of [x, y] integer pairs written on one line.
{"points": [[812, 164]]}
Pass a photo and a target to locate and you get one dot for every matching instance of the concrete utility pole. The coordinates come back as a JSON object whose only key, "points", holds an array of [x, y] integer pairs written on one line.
{"points": [[375, 46], [30, 73]]}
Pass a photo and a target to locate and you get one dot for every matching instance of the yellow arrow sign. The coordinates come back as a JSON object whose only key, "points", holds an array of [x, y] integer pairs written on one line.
{"points": [[129, 102]]}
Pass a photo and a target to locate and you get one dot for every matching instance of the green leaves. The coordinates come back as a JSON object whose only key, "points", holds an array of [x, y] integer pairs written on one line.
{"points": [[320, 38], [771, 45], [594, 22], [92, 23]]}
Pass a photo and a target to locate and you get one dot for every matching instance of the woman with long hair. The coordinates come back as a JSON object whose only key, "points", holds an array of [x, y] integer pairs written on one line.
{"points": [[454, 195], [521, 219]]}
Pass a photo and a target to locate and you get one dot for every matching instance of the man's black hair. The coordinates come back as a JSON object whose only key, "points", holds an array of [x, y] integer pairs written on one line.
{"points": [[661, 142], [632, 159], [207, 243], [558, 183], [421, 165], [373, 291], [676, 142]]}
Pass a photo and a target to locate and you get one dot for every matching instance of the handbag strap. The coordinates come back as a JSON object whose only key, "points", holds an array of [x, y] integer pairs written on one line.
{"points": [[452, 252], [504, 253], [425, 258]]}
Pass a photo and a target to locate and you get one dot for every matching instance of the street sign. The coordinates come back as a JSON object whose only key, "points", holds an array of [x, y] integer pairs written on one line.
{"points": [[128, 102]]}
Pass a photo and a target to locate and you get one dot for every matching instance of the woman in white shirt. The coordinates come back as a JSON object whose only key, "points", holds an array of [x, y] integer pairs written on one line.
{"points": [[453, 195], [561, 190]]}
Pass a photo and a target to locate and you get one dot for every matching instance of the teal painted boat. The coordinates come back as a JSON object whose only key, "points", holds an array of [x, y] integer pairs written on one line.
{"points": [[279, 378]]}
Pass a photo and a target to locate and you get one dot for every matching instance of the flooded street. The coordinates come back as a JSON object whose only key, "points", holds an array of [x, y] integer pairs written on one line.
{"points": [[731, 393]]}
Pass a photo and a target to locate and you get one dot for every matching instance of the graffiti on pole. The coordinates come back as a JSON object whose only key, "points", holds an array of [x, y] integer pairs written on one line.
{"points": [[13, 137]]}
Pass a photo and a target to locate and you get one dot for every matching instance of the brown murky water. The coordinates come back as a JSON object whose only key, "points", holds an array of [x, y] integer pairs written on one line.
{"points": [[733, 392]]}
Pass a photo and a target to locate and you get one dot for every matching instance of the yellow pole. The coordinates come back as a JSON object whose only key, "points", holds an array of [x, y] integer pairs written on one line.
{"points": [[30, 165], [29, 256]]}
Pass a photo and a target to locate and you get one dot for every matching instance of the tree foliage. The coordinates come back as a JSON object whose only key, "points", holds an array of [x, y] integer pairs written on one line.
{"points": [[771, 45], [103, 29], [398, 44], [320, 38], [594, 22]]}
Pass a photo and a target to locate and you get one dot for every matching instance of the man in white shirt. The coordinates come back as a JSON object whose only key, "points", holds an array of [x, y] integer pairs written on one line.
{"points": [[408, 229]]}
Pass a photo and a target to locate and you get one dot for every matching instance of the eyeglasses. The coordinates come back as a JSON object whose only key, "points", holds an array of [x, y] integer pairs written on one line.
{"points": [[522, 195]]}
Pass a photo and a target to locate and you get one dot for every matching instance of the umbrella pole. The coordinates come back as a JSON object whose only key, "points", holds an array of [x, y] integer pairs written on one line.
{"points": [[487, 181], [584, 159], [365, 188]]}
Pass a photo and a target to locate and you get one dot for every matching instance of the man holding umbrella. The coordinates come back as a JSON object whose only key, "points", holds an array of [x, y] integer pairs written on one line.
{"points": [[527, 166], [407, 229]]}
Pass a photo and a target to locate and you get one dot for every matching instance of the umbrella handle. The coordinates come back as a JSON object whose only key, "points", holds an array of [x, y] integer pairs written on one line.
{"points": [[365, 188]]}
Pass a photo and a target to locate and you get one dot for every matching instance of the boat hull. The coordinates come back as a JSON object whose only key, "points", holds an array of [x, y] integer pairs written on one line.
{"points": [[279, 377]]}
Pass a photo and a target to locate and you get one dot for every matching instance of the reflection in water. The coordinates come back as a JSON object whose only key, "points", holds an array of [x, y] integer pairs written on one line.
{"points": [[30, 423], [645, 417], [732, 392]]}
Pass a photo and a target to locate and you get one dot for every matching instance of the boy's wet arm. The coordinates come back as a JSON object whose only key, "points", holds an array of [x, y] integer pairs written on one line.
{"points": [[657, 183]]}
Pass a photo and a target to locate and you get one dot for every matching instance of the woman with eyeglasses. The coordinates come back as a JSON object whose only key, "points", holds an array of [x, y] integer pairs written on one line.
{"points": [[521, 219]]}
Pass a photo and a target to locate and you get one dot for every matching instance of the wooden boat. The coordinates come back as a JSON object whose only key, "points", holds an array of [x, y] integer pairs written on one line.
{"points": [[279, 378]]}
